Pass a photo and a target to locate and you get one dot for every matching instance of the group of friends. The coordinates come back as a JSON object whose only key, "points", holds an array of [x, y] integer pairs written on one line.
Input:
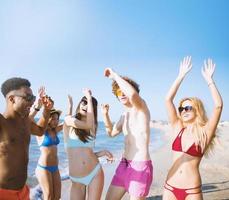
{"points": [[193, 134]]}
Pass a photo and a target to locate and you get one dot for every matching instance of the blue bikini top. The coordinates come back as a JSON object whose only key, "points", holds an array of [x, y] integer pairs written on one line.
{"points": [[49, 141], [73, 141]]}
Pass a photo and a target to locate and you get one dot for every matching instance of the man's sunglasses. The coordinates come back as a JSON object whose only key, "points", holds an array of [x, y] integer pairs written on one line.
{"points": [[186, 108], [28, 97], [118, 93]]}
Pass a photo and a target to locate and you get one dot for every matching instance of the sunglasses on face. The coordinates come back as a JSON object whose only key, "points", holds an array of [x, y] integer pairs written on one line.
{"points": [[28, 97], [84, 102], [186, 108], [118, 93]]}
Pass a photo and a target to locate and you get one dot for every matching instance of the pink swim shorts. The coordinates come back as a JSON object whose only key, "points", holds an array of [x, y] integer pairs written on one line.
{"points": [[135, 176]]}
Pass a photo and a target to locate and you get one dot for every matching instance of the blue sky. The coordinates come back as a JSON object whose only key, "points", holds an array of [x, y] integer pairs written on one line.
{"points": [[65, 45]]}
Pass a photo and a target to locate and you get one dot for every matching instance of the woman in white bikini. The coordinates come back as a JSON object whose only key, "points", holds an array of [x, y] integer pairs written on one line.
{"points": [[85, 170]]}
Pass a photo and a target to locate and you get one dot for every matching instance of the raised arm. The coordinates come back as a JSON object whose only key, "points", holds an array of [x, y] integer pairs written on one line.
{"points": [[89, 123], [38, 103], [185, 67], [60, 127], [126, 88], [70, 105], [110, 129], [68, 116], [207, 72], [106, 118], [39, 128]]}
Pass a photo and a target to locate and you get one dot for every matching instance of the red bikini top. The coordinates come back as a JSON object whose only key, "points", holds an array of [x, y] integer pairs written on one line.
{"points": [[193, 150]]}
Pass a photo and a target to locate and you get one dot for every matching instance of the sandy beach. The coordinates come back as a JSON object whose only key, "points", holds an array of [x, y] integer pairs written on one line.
{"points": [[214, 170]]}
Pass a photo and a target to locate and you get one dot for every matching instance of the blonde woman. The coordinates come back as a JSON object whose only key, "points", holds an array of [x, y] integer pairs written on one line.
{"points": [[193, 134], [85, 170]]}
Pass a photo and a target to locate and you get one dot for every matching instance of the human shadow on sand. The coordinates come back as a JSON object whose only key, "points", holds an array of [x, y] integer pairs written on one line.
{"points": [[157, 197], [214, 187], [206, 188]]}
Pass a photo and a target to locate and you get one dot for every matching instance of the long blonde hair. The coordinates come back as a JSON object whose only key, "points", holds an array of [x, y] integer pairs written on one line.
{"points": [[197, 129]]}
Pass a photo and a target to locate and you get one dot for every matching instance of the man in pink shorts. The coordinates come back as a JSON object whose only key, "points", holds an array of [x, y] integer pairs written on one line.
{"points": [[135, 171]]}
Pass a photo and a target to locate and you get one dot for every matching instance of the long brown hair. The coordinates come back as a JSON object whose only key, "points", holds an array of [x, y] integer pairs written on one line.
{"points": [[83, 134]]}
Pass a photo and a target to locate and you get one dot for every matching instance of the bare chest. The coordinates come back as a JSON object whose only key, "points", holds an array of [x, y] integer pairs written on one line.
{"points": [[13, 137], [134, 124]]}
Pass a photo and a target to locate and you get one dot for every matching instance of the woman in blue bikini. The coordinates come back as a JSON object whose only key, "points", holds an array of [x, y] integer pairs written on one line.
{"points": [[47, 171], [85, 170]]}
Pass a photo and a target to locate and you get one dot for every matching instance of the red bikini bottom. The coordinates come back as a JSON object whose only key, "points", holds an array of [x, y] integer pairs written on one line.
{"points": [[180, 193]]}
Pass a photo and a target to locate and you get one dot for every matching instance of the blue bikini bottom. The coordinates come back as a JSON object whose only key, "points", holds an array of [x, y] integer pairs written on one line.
{"points": [[87, 179], [51, 169]]}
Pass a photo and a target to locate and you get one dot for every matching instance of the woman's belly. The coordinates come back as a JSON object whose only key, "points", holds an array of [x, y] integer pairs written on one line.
{"points": [[81, 161], [48, 156], [184, 173]]}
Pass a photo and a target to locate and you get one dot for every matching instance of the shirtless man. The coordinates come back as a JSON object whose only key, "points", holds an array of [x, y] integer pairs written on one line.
{"points": [[135, 171], [15, 130]]}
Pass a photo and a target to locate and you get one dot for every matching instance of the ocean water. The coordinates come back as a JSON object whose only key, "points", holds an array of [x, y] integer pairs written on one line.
{"points": [[114, 145]]}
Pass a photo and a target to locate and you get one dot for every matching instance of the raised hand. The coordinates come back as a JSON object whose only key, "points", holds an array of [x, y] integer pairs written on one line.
{"points": [[185, 66], [41, 94], [70, 101], [108, 72], [208, 70], [87, 92], [47, 102], [41, 91], [105, 109]]}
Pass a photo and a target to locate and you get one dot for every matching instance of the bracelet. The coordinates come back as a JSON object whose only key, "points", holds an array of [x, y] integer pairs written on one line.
{"points": [[37, 109], [211, 83]]}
